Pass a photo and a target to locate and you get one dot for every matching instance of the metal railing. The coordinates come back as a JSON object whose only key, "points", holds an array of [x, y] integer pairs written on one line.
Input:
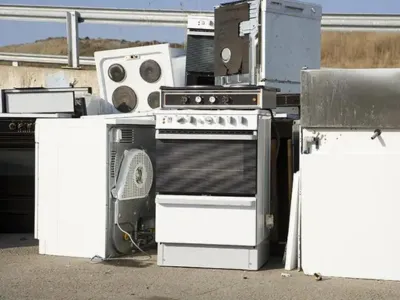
{"points": [[72, 16]]}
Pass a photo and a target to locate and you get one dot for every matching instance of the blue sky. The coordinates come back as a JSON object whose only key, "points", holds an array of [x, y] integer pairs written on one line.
{"points": [[13, 32]]}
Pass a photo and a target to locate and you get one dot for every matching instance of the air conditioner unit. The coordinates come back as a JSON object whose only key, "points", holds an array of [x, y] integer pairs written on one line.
{"points": [[94, 185], [130, 78]]}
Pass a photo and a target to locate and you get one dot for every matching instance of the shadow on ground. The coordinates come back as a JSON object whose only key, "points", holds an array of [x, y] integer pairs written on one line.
{"points": [[17, 241], [140, 260]]}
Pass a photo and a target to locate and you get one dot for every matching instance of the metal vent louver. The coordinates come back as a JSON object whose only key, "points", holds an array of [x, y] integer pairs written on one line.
{"points": [[113, 159], [115, 162], [124, 136], [135, 176]]}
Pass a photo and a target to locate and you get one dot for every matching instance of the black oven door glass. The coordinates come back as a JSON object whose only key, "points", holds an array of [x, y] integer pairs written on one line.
{"points": [[206, 167], [17, 190]]}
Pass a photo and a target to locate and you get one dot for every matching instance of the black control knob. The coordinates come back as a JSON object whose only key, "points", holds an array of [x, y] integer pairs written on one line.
{"points": [[225, 100], [12, 126], [20, 125], [184, 99], [29, 126]]}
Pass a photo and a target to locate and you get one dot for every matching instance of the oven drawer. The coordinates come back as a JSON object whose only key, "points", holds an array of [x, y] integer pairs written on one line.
{"points": [[206, 220]]}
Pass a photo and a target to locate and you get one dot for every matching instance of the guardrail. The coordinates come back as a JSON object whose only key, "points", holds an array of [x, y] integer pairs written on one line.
{"points": [[72, 16], [43, 59]]}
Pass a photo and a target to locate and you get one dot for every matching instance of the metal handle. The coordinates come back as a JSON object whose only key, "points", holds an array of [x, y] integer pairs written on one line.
{"points": [[232, 137], [206, 201], [377, 133]]}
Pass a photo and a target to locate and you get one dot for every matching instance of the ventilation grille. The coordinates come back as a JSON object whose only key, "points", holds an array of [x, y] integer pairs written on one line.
{"points": [[124, 136], [113, 159], [135, 177], [127, 136], [200, 54]]}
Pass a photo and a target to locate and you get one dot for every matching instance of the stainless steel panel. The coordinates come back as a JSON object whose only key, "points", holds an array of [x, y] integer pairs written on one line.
{"points": [[350, 98]]}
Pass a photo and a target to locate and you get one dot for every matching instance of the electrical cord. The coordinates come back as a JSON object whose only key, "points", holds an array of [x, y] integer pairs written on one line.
{"points": [[133, 242]]}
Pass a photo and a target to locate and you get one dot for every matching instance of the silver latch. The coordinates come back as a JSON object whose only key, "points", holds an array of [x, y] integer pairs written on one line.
{"points": [[308, 142]]}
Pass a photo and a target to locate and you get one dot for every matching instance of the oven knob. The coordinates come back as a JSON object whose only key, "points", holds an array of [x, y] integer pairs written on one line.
{"points": [[20, 125], [212, 99], [198, 99], [184, 100], [219, 120], [29, 126], [12, 126], [209, 120], [181, 120], [225, 100]]}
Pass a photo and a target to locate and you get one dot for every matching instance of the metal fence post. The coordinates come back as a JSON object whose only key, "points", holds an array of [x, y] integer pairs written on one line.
{"points": [[73, 38]]}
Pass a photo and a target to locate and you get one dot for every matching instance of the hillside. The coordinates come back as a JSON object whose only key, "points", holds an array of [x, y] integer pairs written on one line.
{"points": [[347, 50]]}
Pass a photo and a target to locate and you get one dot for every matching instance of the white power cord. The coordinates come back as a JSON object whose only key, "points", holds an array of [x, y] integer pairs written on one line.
{"points": [[133, 242]]}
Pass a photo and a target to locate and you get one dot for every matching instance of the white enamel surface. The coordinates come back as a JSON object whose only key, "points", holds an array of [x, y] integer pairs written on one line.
{"points": [[172, 62], [349, 204]]}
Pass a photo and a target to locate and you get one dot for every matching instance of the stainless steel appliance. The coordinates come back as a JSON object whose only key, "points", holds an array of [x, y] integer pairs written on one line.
{"points": [[266, 42], [213, 188]]}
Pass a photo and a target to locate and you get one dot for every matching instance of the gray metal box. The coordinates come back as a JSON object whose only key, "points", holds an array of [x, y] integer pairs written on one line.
{"points": [[289, 39], [350, 98]]}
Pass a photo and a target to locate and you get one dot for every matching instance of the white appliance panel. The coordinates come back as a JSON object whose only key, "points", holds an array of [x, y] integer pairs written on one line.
{"points": [[206, 220], [350, 204], [71, 208], [171, 61]]}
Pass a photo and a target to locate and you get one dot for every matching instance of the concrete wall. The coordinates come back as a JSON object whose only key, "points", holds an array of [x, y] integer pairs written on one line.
{"points": [[17, 77]]}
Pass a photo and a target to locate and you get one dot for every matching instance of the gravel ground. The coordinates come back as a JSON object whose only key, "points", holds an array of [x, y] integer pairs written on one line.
{"points": [[26, 275]]}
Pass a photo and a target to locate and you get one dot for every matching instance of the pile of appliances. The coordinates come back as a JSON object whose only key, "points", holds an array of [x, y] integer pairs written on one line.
{"points": [[191, 138]]}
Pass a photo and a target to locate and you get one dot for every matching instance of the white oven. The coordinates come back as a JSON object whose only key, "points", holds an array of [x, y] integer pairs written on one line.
{"points": [[212, 188]]}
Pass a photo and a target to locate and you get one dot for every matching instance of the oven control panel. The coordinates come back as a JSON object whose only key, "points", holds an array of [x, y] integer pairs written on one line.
{"points": [[218, 97], [17, 126], [216, 121]]}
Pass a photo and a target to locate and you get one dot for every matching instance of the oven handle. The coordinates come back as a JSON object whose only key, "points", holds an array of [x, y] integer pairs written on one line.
{"points": [[177, 136], [205, 200]]}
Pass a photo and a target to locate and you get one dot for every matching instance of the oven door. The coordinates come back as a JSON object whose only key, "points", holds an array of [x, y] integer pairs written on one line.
{"points": [[206, 187], [212, 163], [17, 187]]}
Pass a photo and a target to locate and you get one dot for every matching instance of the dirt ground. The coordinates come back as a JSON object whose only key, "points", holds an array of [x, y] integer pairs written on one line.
{"points": [[24, 274]]}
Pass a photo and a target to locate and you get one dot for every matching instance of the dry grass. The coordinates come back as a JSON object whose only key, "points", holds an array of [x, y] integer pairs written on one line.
{"points": [[345, 50], [360, 50]]}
